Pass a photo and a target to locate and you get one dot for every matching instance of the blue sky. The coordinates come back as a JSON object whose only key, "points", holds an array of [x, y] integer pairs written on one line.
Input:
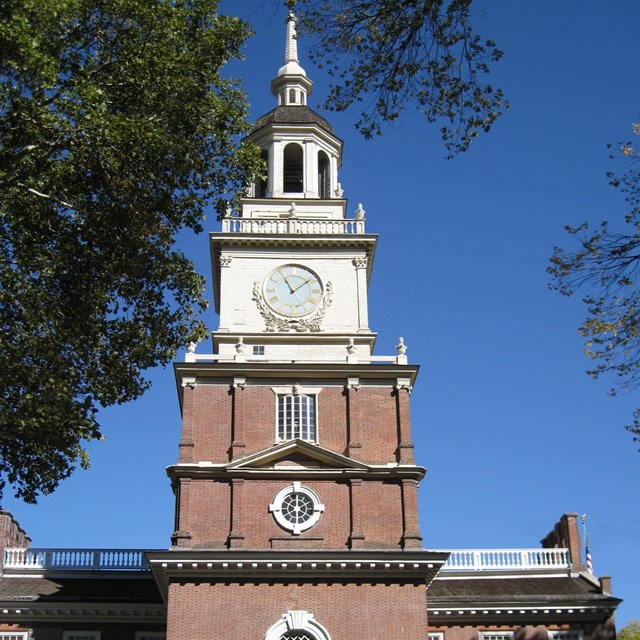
{"points": [[512, 431]]}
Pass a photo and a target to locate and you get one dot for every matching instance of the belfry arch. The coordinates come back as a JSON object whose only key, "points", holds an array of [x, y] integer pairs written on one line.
{"points": [[293, 168], [324, 175]]}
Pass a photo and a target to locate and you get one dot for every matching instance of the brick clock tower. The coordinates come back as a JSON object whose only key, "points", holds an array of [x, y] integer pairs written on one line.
{"points": [[296, 485]]}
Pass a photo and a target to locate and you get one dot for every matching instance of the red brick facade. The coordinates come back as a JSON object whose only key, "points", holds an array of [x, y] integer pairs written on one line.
{"points": [[372, 505], [348, 611], [361, 466]]}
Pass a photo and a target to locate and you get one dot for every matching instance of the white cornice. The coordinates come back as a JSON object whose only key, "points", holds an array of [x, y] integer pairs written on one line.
{"points": [[405, 567]]}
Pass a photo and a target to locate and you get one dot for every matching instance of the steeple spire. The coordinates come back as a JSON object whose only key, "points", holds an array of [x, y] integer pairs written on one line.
{"points": [[291, 86], [291, 44]]}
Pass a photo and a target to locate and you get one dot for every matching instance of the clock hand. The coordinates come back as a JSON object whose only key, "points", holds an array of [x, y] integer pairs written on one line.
{"points": [[291, 290], [307, 281]]}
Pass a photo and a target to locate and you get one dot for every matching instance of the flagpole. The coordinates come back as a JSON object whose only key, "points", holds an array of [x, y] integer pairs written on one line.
{"points": [[586, 544]]}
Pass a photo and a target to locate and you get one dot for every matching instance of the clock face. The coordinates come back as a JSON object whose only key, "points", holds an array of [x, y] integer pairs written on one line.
{"points": [[293, 290]]}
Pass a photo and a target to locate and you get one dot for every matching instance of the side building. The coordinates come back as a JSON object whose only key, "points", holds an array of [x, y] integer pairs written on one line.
{"points": [[296, 504]]}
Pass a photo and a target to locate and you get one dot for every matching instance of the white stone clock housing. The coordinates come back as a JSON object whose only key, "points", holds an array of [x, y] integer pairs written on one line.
{"points": [[295, 220]]}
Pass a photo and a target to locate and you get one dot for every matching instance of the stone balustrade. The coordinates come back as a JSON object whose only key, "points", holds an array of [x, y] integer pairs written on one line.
{"points": [[75, 559], [463, 560], [292, 226], [460, 561]]}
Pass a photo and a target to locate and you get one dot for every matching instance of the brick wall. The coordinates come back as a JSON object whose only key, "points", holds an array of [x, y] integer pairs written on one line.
{"points": [[201, 611], [11, 533], [217, 415]]}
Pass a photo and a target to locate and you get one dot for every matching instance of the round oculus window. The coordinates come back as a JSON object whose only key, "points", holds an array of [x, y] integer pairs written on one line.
{"points": [[296, 508]]}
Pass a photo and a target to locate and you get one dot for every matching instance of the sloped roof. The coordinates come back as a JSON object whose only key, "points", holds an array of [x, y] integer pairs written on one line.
{"points": [[482, 588], [291, 114], [103, 589]]}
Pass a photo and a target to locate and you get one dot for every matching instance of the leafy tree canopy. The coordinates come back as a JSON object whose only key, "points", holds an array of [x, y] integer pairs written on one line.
{"points": [[388, 55], [630, 632], [116, 129], [606, 265]]}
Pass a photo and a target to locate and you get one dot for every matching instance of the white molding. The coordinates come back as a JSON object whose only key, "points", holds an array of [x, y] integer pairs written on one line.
{"points": [[297, 621], [296, 389], [573, 634], [495, 635]]}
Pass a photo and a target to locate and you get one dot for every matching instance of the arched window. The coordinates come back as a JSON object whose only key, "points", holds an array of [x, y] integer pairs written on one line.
{"points": [[292, 96], [261, 187], [297, 625], [324, 181], [293, 169]]}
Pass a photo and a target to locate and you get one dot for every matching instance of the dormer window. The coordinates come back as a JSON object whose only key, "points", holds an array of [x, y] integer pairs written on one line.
{"points": [[293, 172]]}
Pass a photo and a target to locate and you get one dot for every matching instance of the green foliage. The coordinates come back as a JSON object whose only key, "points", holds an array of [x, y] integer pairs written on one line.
{"points": [[607, 266], [630, 632], [116, 130], [387, 55]]}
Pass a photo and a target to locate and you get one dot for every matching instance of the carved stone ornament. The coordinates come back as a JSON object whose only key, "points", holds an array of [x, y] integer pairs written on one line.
{"points": [[360, 263], [305, 324], [225, 261]]}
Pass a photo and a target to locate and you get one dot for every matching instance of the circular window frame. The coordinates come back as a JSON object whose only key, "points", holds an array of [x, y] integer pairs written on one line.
{"points": [[280, 514]]}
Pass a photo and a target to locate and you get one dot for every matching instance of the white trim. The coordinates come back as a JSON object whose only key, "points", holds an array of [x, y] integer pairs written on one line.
{"points": [[436, 635], [14, 635], [300, 389], [297, 621], [495, 635], [573, 634]]}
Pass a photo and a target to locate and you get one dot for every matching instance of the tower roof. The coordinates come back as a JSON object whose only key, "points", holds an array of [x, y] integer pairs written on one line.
{"points": [[291, 114]]}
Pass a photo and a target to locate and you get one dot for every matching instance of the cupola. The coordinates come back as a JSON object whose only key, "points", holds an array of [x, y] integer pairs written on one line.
{"points": [[299, 146]]}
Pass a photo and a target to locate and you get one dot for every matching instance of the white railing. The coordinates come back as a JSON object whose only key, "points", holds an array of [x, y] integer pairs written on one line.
{"points": [[292, 226], [506, 559], [75, 559], [460, 560]]}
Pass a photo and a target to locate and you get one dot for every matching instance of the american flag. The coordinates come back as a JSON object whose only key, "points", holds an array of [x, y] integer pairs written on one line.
{"points": [[589, 563]]}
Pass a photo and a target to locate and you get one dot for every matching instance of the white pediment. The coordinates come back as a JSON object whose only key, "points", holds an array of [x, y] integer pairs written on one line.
{"points": [[297, 455]]}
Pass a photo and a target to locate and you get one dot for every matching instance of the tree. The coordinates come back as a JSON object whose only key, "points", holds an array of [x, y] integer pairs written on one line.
{"points": [[607, 266], [388, 55], [630, 632], [116, 130]]}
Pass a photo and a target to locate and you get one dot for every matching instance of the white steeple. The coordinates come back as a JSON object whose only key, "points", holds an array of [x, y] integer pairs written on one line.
{"points": [[291, 268], [291, 86]]}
